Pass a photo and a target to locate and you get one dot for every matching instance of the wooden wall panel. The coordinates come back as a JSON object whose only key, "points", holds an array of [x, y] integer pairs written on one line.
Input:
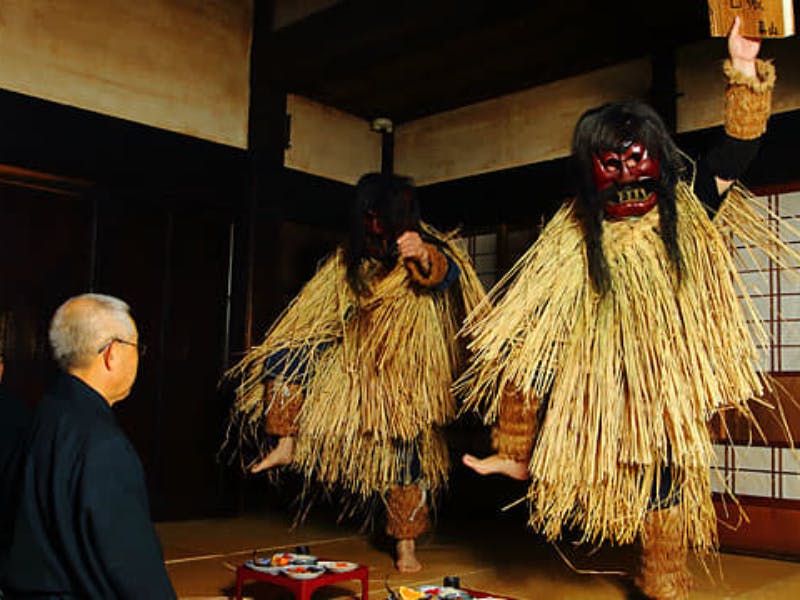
{"points": [[46, 236], [194, 329], [782, 409], [169, 260], [771, 529], [130, 264], [167, 255], [772, 523], [283, 265]]}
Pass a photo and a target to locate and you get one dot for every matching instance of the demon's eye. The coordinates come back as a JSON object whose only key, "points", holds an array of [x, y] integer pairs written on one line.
{"points": [[633, 159]]}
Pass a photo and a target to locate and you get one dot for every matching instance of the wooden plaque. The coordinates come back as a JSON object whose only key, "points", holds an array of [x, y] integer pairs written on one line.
{"points": [[760, 18]]}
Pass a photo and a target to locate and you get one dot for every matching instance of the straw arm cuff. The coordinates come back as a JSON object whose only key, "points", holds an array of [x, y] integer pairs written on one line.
{"points": [[437, 271], [748, 100]]}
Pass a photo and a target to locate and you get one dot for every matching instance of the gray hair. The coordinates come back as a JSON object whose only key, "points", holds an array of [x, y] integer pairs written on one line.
{"points": [[83, 324]]}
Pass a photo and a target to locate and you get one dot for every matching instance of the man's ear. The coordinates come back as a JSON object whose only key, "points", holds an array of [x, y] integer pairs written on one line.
{"points": [[107, 356]]}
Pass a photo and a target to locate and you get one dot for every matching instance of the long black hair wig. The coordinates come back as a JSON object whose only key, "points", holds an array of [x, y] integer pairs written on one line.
{"points": [[607, 128]]}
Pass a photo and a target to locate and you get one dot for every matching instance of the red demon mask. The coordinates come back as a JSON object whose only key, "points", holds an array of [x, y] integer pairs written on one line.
{"points": [[626, 180]]}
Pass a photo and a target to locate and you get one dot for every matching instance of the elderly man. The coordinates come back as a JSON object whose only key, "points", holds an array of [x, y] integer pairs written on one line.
{"points": [[83, 527]]}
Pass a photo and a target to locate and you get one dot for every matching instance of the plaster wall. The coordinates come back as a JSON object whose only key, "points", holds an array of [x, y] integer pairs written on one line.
{"points": [[181, 65]]}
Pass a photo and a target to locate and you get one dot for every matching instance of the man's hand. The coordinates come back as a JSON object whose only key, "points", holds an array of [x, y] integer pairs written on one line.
{"points": [[411, 247], [743, 50]]}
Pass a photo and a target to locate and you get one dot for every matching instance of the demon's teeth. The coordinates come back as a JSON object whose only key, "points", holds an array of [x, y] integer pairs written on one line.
{"points": [[631, 195]]}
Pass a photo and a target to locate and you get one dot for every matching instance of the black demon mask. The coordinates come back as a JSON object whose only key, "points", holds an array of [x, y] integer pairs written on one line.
{"points": [[385, 206]]}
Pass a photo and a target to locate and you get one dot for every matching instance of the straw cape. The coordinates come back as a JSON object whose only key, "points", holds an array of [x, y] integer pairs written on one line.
{"points": [[376, 371], [630, 378]]}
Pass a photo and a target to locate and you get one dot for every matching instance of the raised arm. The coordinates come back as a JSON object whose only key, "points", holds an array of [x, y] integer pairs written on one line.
{"points": [[743, 51], [748, 98], [428, 264]]}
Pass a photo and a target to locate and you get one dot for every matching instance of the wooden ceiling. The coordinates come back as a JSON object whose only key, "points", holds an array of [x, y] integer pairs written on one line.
{"points": [[405, 60]]}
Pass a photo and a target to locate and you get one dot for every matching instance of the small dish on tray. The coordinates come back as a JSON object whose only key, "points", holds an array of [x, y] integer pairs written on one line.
{"points": [[263, 566], [454, 594], [303, 571], [286, 559], [338, 566], [444, 592]]}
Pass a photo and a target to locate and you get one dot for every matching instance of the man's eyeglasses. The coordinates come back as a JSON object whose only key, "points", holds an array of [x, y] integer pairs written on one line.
{"points": [[140, 347]]}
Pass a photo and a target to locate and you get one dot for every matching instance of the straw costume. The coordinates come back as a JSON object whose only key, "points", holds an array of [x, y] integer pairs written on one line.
{"points": [[358, 369], [621, 327]]}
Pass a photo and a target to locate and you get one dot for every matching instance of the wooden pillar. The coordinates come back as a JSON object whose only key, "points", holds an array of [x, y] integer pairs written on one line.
{"points": [[255, 234], [258, 217], [504, 261], [664, 90], [385, 127], [387, 152]]}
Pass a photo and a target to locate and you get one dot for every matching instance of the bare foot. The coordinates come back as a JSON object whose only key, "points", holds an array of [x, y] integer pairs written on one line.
{"points": [[406, 559], [279, 455], [497, 464]]}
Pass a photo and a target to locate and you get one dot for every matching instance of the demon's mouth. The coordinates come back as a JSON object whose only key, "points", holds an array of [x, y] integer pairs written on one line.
{"points": [[630, 201]]}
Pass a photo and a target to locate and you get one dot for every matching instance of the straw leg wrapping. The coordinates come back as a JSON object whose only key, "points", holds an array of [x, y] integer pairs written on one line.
{"points": [[407, 512], [512, 435], [663, 570], [285, 401]]}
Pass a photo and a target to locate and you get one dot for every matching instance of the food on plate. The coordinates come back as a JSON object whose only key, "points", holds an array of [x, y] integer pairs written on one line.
{"points": [[281, 560], [407, 593], [338, 566], [299, 569], [445, 592], [303, 571]]}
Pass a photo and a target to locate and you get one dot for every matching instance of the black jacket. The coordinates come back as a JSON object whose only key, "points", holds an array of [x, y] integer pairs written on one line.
{"points": [[83, 527]]}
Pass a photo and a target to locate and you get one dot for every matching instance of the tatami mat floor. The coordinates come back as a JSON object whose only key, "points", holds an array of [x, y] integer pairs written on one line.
{"points": [[500, 558]]}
